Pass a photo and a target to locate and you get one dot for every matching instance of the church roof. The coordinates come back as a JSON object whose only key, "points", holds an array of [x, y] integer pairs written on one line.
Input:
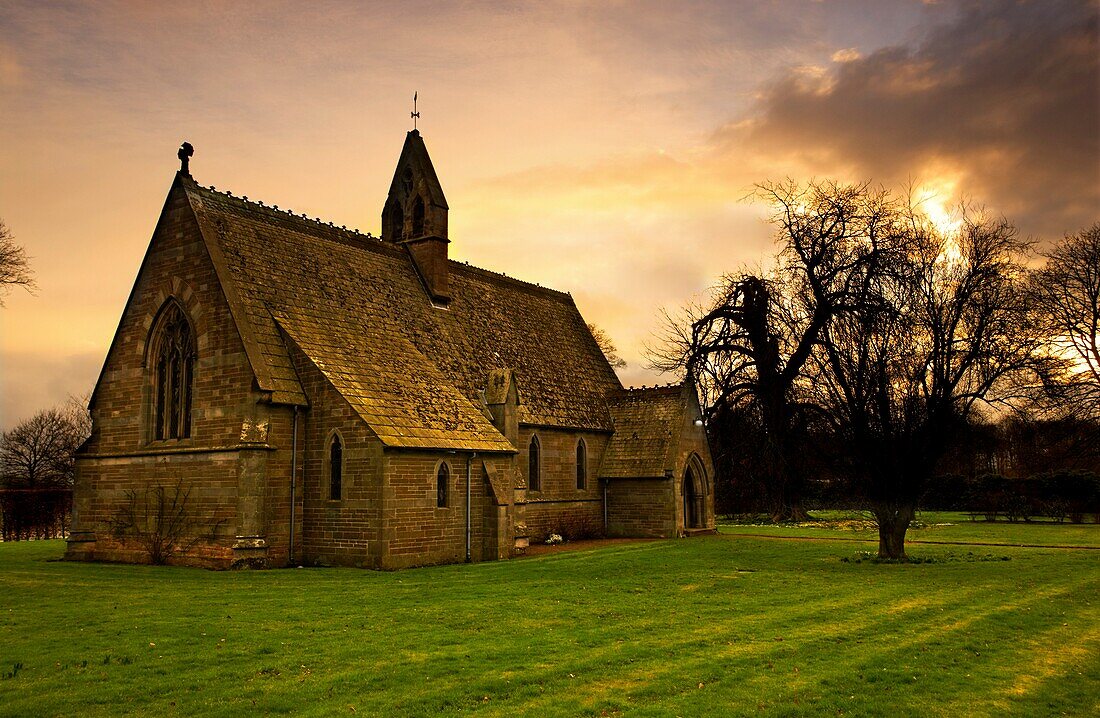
{"points": [[648, 422], [355, 307]]}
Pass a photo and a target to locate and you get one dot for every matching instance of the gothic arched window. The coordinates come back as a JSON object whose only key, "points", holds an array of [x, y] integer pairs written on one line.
{"points": [[173, 367], [534, 479], [417, 218], [582, 465], [335, 467], [442, 481]]}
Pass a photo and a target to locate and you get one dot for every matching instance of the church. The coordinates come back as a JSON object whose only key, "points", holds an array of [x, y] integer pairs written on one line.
{"points": [[302, 393]]}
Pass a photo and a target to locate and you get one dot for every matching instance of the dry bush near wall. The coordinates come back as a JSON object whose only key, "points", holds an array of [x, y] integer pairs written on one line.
{"points": [[577, 528], [159, 520]]}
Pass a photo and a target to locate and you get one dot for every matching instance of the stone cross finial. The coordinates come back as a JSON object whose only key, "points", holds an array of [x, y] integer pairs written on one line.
{"points": [[185, 153]]}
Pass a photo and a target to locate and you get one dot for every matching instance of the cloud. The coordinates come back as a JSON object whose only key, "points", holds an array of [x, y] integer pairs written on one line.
{"points": [[31, 381], [11, 71], [1002, 102], [997, 104], [595, 148], [848, 54]]}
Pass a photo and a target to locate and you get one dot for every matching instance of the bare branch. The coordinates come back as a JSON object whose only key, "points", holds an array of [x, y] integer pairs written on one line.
{"points": [[15, 270]]}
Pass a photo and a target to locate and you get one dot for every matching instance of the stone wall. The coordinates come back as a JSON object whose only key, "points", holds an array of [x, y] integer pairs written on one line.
{"points": [[642, 507], [693, 442], [122, 456], [559, 506], [416, 531], [345, 531]]}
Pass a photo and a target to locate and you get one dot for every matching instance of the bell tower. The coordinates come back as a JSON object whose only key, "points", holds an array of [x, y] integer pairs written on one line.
{"points": [[415, 206], [415, 216]]}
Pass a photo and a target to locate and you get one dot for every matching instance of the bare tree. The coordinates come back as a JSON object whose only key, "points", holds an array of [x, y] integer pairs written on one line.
{"points": [[75, 409], [15, 268], [875, 339], [1067, 295], [610, 351], [943, 330], [39, 452], [747, 351]]}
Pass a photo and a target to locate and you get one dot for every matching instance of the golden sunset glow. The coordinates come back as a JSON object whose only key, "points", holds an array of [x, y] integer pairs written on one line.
{"points": [[604, 149], [938, 201]]}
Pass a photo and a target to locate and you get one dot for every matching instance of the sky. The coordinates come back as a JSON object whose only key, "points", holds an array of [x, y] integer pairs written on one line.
{"points": [[601, 148]]}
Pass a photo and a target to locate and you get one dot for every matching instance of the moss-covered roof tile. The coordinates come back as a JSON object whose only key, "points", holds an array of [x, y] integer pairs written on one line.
{"points": [[356, 309]]}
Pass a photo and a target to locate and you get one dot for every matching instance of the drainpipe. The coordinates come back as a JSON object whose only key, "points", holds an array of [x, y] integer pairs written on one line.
{"points": [[605, 507], [469, 460], [293, 479]]}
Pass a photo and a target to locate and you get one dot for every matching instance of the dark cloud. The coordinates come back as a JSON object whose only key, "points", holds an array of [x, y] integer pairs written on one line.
{"points": [[1005, 97]]}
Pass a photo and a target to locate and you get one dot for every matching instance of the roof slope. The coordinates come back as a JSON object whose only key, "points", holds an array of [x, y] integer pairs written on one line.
{"points": [[356, 308], [647, 432]]}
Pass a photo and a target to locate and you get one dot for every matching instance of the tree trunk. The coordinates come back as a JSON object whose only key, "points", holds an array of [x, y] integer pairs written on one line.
{"points": [[893, 522], [789, 509], [787, 483]]}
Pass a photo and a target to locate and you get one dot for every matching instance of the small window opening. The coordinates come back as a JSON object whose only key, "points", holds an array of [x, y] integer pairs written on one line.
{"points": [[442, 481], [582, 465], [398, 222], [534, 479], [335, 468]]}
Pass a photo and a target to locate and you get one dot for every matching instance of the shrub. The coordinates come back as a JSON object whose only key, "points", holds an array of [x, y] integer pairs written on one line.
{"points": [[945, 492], [990, 495], [1069, 493], [577, 527], [159, 520]]}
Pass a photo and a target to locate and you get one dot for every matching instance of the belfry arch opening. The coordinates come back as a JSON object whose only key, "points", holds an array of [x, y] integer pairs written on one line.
{"points": [[417, 217], [393, 221]]}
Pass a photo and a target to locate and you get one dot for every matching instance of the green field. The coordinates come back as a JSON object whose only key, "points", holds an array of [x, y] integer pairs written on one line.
{"points": [[724, 625], [940, 527]]}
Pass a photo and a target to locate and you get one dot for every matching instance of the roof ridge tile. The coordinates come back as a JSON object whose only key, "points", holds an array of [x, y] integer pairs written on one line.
{"points": [[275, 211]]}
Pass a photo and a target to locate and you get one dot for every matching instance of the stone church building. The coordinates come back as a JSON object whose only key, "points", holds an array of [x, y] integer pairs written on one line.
{"points": [[322, 396]]}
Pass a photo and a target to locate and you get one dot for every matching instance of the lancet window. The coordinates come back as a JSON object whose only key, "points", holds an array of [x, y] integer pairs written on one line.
{"points": [[174, 368]]}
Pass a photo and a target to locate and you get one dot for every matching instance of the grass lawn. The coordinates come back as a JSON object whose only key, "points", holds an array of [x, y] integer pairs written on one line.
{"points": [[724, 625], [930, 526]]}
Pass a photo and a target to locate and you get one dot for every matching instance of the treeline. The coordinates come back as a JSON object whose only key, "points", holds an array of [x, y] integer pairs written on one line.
{"points": [[1013, 470], [869, 360], [37, 468], [1056, 495], [41, 513]]}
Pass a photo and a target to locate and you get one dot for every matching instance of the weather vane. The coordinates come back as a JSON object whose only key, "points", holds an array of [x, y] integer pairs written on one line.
{"points": [[414, 114]]}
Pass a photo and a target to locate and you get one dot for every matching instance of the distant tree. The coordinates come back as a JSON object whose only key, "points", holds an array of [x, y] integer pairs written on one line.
{"points": [[747, 351], [607, 346], [76, 409], [39, 452], [15, 268], [1067, 295], [1035, 444]]}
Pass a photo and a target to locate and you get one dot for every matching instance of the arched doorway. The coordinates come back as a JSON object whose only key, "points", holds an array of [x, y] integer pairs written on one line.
{"points": [[694, 493]]}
